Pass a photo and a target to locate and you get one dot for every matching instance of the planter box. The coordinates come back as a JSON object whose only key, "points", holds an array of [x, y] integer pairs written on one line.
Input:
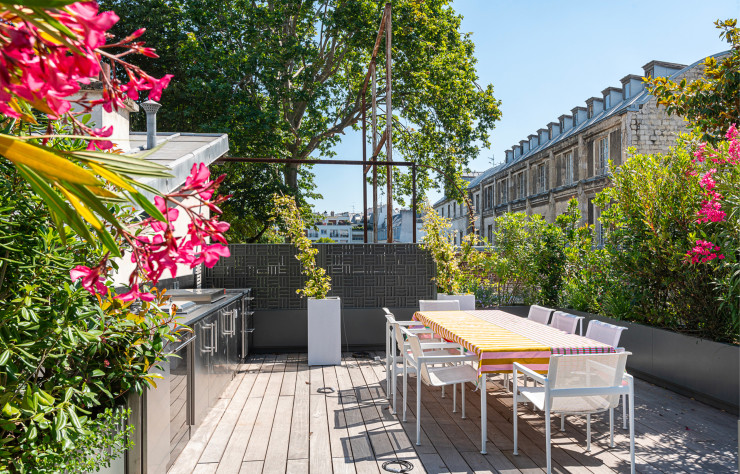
{"points": [[467, 302], [324, 331], [706, 370]]}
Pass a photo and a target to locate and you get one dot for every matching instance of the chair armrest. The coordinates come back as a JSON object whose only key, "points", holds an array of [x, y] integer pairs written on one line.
{"points": [[530, 373], [445, 359], [439, 345], [410, 323]]}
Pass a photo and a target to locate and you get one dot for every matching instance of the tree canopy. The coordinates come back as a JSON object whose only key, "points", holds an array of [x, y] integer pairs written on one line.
{"points": [[283, 79]]}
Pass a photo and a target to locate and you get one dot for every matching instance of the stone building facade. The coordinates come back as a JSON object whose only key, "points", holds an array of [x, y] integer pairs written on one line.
{"points": [[571, 156]]}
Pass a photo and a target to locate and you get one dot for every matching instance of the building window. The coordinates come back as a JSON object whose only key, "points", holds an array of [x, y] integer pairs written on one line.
{"points": [[568, 158], [626, 91], [503, 191], [541, 178], [521, 182], [442, 211], [477, 203], [602, 156], [490, 233], [590, 112], [607, 101], [448, 211]]}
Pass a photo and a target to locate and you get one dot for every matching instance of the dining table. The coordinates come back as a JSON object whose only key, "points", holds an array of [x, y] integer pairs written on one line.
{"points": [[499, 338]]}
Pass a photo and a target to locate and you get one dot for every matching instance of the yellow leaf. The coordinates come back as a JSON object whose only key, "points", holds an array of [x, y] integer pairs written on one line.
{"points": [[81, 209], [102, 192], [45, 162], [112, 177]]}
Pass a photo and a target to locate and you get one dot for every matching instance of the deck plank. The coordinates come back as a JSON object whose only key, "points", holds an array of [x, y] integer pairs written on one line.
{"points": [[279, 415]]}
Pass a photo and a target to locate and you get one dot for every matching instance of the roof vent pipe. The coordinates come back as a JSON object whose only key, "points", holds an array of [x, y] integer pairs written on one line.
{"points": [[151, 108]]}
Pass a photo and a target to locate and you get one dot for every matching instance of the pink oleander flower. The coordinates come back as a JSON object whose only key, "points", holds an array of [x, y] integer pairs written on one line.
{"points": [[91, 278], [703, 252], [134, 294]]}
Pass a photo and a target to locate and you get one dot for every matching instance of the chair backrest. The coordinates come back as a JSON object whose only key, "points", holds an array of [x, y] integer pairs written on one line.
{"points": [[539, 314], [439, 305], [387, 311], [467, 302], [565, 322], [604, 332], [415, 346], [586, 371], [400, 339]]}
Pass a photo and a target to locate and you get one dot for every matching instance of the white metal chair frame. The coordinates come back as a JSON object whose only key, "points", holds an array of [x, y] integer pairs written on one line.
{"points": [[421, 363], [439, 305], [392, 368], [608, 334], [625, 386], [567, 322]]}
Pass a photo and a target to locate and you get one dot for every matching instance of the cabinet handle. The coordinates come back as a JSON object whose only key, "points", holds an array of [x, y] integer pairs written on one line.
{"points": [[209, 349], [229, 322]]}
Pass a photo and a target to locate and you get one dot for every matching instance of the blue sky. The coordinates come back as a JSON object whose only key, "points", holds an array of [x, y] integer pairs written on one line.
{"points": [[546, 57]]}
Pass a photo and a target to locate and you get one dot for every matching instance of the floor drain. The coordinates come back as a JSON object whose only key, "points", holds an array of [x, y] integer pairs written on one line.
{"points": [[325, 390], [361, 355], [397, 466]]}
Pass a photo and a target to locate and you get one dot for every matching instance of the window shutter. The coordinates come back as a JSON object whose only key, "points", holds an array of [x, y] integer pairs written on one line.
{"points": [[575, 165], [590, 157], [615, 147], [590, 212], [547, 176], [558, 170]]}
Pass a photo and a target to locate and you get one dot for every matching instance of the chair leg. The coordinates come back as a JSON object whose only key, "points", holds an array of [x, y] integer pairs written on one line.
{"points": [[454, 398], [394, 386], [405, 383], [611, 427], [463, 399], [588, 433], [418, 408], [548, 435], [562, 422], [632, 428], [516, 416], [506, 382], [483, 414], [624, 412], [443, 391], [388, 361]]}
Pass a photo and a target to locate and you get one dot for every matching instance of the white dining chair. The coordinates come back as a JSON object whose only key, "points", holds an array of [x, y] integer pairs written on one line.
{"points": [[400, 351], [439, 305], [390, 345], [467, 302], [454, 370], [539, 314], [567, 322], [609, 334], [581, 384]]}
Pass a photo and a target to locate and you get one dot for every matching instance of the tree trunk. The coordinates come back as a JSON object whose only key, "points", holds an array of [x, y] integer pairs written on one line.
{"points": [[291, 176]]}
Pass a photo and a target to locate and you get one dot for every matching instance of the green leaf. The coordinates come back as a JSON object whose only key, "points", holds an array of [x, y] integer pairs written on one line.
{"points": [[148, 206], [4, 356]]}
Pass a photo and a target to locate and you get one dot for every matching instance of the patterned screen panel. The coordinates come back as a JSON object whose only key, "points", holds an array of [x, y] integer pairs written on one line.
{"points": [[363, 275]]}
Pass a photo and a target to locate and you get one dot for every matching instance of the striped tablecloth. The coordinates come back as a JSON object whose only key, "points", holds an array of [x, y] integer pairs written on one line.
{"points": [[499, 339]]}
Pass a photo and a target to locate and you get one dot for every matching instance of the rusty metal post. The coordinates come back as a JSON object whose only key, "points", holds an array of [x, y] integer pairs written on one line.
{"points": [[374, 122], [364, 183], [389, 122], [413, 203]]}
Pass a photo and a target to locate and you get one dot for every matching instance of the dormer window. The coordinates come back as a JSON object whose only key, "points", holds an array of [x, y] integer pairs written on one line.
{"points": [[575, 120], [626, 92], [590, 110], [607, 101]]}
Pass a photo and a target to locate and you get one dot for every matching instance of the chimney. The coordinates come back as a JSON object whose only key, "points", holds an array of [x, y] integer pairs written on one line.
{"points": [[580, 115], [631, 85], [595, 105], [151, 108]]}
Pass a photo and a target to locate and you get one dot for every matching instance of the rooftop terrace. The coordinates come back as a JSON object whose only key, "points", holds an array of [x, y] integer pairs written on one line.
{"points": [[280, 415]]}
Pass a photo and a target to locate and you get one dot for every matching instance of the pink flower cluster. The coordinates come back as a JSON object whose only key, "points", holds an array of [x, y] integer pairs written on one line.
{"points": [[155, 248], [44, 69], [711, 208], [704, 251]]}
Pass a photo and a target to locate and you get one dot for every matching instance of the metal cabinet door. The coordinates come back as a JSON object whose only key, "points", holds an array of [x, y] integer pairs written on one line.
{"points": [[202, 370]]}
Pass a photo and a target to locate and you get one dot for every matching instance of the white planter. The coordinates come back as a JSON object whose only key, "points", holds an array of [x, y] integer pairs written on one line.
{"points": [[324, 331], [467, 302]]}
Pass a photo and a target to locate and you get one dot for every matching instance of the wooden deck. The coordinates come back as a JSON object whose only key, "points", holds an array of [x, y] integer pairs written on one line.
{"points": [[281, 416]]}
